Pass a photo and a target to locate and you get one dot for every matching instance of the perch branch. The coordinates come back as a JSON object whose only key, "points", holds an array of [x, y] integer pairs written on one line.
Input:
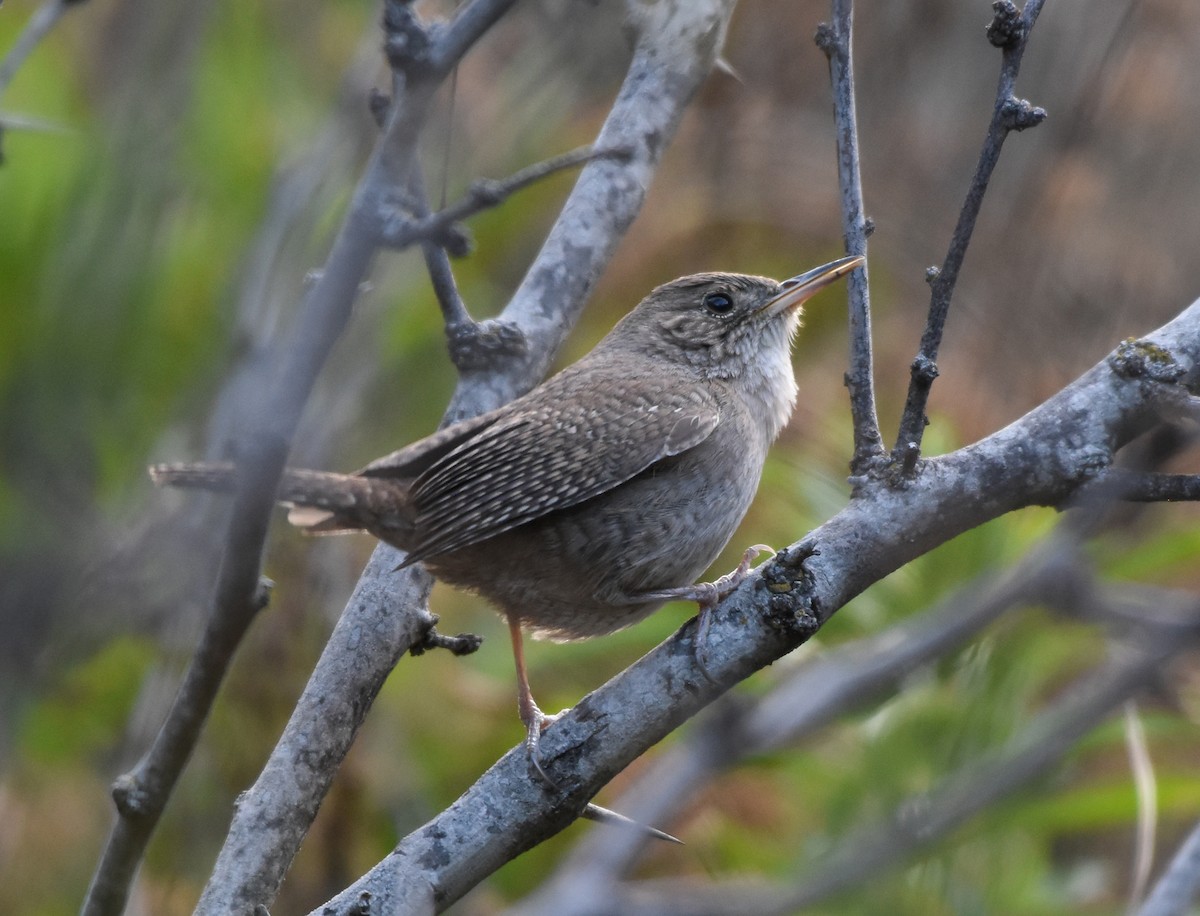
{"points": [[1041, 459], [921, 821], [824, 688]]}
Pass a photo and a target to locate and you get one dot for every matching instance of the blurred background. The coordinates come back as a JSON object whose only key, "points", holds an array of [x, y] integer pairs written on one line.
{"points": [[154, 241]]}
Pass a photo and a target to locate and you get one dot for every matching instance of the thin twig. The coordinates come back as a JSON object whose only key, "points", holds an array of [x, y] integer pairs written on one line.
{"points": [[1009, 31], [484, 194], [437, 262], [836, 41], [38, 27]]}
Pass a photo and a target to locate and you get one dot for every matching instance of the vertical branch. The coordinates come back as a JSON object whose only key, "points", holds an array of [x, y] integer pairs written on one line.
{"points": [[1008, 31], [835, 40]]}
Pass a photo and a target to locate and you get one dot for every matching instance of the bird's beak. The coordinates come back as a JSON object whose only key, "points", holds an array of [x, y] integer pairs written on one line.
{"points": [[799, 289]]}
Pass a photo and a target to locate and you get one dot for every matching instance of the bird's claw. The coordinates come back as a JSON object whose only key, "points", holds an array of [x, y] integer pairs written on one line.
{"points": [[535, 724], [713, 593]]}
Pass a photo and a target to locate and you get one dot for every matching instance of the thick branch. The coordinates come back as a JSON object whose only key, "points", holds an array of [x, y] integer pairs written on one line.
{"points": [[924, 820], [828, 686], [1011, 33], [1039, 460]]}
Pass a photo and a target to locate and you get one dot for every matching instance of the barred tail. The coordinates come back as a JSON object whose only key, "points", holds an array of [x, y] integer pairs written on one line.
{"points": [[323, 501]]}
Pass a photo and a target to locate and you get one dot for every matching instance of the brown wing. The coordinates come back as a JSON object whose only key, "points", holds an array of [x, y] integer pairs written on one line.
{"points": [[548, 456], [419, 456]]}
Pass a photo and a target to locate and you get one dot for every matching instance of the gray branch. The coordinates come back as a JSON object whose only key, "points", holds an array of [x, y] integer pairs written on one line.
{"points": [[1174, 892], [825, 687], [1009, 31], [387, 615], [263, 430], [835, 40], [44, 18], [1042, 459], [923, 820]]}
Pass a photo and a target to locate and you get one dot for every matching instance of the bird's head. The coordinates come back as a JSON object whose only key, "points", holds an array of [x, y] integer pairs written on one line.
{"points": [[730, 326], [721, 324]]}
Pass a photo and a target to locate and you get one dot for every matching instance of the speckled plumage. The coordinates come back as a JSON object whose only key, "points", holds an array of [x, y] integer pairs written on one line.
{"points": [[624, 474]]}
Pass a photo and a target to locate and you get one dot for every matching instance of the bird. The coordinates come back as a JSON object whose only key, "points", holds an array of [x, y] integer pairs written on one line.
{"points": [[586, 504]]}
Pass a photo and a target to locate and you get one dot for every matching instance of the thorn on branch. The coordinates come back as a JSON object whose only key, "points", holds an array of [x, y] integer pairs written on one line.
{"points": [[1007, 28], [1019, 114], [908, 454]]}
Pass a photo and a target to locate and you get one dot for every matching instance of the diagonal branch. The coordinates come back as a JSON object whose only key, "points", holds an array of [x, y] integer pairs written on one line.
{"points": [[1174, 892], [1041, 459], [1010, 32], [922, 821], [44, 18], [827, 686]]}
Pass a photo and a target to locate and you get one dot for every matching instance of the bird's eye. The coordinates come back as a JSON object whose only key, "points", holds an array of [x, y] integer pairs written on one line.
{"points": [[718, 303]]}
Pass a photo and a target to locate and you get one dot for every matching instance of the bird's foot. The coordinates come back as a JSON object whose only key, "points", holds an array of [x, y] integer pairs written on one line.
{"points": [[536, 722], [708, 595], [725, 585]]}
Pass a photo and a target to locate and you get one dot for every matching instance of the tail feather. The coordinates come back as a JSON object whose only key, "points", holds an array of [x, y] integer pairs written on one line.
{"points": [[324, 501]]}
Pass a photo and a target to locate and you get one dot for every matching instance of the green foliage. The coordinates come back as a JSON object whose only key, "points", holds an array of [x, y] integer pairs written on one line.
{"points": [[84, 716]]}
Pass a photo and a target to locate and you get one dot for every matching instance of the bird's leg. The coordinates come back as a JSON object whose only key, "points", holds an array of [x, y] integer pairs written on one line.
{"points": [[532, 718], [708, 595]]}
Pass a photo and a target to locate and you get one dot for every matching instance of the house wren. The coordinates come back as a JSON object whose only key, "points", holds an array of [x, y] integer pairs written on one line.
{"points": [[586, 504]]}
